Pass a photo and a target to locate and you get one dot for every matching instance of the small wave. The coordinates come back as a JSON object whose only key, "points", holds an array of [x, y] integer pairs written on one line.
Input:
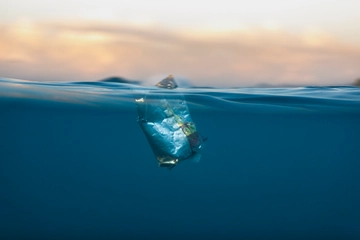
{"points": [[253, 100]]}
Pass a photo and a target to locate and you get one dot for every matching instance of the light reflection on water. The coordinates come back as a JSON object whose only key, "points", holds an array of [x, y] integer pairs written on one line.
{"points": [[252, 100]]}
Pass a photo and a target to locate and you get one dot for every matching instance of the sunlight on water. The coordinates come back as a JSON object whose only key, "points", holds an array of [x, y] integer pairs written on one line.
{"points": [[252, 100]]}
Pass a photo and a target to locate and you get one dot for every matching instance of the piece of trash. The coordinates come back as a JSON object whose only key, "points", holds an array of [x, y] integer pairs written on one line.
{"points": [[167, 124]]}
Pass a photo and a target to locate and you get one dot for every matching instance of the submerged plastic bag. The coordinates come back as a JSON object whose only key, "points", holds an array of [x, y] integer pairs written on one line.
{"points": [[166, 122]]}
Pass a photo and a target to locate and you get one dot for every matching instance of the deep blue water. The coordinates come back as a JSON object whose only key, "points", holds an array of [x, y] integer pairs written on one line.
{"points": [[279, 163]]}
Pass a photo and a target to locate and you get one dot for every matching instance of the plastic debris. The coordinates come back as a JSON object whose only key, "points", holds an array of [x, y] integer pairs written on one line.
{"points": [[167, 125]]}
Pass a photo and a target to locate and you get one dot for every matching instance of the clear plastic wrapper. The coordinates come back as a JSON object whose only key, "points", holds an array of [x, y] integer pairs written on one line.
{"points": [[167, 125]]}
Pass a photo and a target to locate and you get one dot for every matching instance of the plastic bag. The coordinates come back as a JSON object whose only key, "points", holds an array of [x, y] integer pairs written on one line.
{"points": [[168, 127]]}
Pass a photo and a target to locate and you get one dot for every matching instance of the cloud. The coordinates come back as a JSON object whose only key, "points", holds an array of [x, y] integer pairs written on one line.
{"points": [[93, 50]]}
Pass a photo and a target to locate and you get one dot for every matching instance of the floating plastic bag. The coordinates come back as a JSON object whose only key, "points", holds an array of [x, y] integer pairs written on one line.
{"points": [[166, 122]]}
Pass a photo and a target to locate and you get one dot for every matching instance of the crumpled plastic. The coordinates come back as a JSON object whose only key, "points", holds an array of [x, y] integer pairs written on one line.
{"points": [[168, 127]]}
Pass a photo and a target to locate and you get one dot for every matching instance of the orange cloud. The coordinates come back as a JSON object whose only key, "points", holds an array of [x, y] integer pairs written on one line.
{"points": [[91, 51]]}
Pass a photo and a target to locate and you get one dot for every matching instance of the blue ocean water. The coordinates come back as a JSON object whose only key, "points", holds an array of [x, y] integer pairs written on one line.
{"points": [[279, 163]]}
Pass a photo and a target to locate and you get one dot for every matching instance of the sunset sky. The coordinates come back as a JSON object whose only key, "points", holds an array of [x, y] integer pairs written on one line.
{"points": [[221, 43]]}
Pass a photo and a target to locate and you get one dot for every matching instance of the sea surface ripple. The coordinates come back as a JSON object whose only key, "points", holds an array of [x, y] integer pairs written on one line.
{"points": [[310, 99]]}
